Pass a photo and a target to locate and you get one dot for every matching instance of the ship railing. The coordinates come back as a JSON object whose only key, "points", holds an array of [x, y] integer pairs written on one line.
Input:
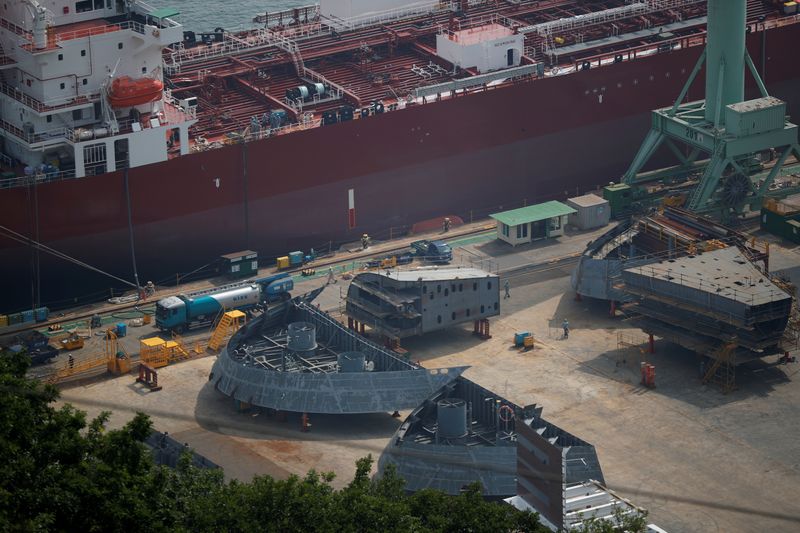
{"points": [[49, 105], [308, 122], [144, 9], [54, 136], [480, 81], [630, 54], [477, 21], [138, 27], [172, 115], [190, 112], [581, 21], [38, 175], [308, 14], [383, 17], [662, 5], [18, 30], [633, 9], [308, 24], [316, 77], [777, 23], [299, 104], [261, 38], [305, 31], [455, 5]]}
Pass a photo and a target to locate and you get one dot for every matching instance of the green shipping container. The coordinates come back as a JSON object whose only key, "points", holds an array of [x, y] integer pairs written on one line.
{"points": [[619, 196], [14, 318], [781, 225], [240, 264]]}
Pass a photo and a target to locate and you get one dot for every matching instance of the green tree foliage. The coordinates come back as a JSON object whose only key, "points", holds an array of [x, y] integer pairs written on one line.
{"points": [[62, 473], [634, 521]]}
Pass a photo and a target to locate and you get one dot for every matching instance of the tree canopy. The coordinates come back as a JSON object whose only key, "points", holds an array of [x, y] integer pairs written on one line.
{"points": [[64, 473]]}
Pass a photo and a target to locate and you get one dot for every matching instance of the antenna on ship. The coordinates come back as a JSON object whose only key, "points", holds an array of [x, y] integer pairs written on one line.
{"points": [[722, 134]]}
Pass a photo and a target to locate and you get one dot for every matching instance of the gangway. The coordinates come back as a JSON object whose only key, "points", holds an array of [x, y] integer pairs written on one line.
{"points": [[230, 322]]}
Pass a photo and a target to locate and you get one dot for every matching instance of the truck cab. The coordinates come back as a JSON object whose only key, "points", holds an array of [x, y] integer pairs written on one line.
{"points": [[432, 251], [441, 251], [170, 313]]}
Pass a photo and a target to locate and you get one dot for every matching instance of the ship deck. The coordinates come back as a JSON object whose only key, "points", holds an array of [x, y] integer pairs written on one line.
{"points": [[241, 77], [246, 75]]}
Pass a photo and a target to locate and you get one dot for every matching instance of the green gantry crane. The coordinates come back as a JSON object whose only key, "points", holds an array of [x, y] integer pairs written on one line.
{"points": [[720, 138]]}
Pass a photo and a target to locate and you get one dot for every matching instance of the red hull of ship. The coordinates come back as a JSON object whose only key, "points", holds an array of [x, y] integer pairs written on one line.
{"points": [[548, 138]]}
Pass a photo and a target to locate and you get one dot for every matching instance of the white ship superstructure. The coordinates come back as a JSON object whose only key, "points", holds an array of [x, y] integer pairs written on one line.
{"points": [[57, 65]]}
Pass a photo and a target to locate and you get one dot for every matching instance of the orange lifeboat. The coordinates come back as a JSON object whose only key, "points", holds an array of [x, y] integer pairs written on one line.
{"points": [[127, 92]]}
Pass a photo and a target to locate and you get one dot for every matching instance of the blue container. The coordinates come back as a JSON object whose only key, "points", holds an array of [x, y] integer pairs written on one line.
{"points": [[41, 314], [122, 329], [519, 338], [28, 316], [296, 258]]}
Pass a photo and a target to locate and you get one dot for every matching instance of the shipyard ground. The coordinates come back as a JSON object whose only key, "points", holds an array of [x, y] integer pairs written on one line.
{"points": [[698, 460]]}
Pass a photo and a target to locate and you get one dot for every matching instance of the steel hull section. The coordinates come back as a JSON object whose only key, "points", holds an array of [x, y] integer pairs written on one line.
{"points": [[546, 139], [393, 384]]}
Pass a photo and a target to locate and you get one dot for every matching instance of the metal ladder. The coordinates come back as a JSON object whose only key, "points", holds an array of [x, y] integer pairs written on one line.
{"points": [[230, 322], [722, 371]]}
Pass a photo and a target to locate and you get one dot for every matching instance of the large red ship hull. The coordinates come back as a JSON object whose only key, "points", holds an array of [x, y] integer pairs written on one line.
{"points": [[469, 155]]}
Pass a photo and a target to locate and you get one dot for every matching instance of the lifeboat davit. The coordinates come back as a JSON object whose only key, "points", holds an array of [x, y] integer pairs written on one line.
{"points": [[127, 92]]}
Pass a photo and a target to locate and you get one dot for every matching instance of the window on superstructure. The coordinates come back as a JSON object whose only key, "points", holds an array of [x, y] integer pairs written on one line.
{"points": [[119, 45], [83, 53], [98, 4], [61, 57], [77, 115], [83, 6], [62, 86], [85, 81], [49, 118]]}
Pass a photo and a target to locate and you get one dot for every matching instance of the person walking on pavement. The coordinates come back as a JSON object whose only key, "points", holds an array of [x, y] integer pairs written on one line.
{"points": [[446, 224], [565, 325], [508, 293], [331, 277]]}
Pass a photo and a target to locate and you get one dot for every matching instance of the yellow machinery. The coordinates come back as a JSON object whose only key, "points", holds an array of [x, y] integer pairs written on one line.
{"points": [[117, 360], [675, 199], [153, 352], [528, 343], [228, 325], [389, 262], [73, 342], [156, 352]]}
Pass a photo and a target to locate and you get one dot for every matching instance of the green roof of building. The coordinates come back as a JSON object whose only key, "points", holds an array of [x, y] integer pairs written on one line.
{"points": [[164, 13], [533, 213]]}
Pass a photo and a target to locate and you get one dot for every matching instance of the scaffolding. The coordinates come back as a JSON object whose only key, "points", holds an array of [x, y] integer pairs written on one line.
{"points": [[157, 352], [722, 371]]}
